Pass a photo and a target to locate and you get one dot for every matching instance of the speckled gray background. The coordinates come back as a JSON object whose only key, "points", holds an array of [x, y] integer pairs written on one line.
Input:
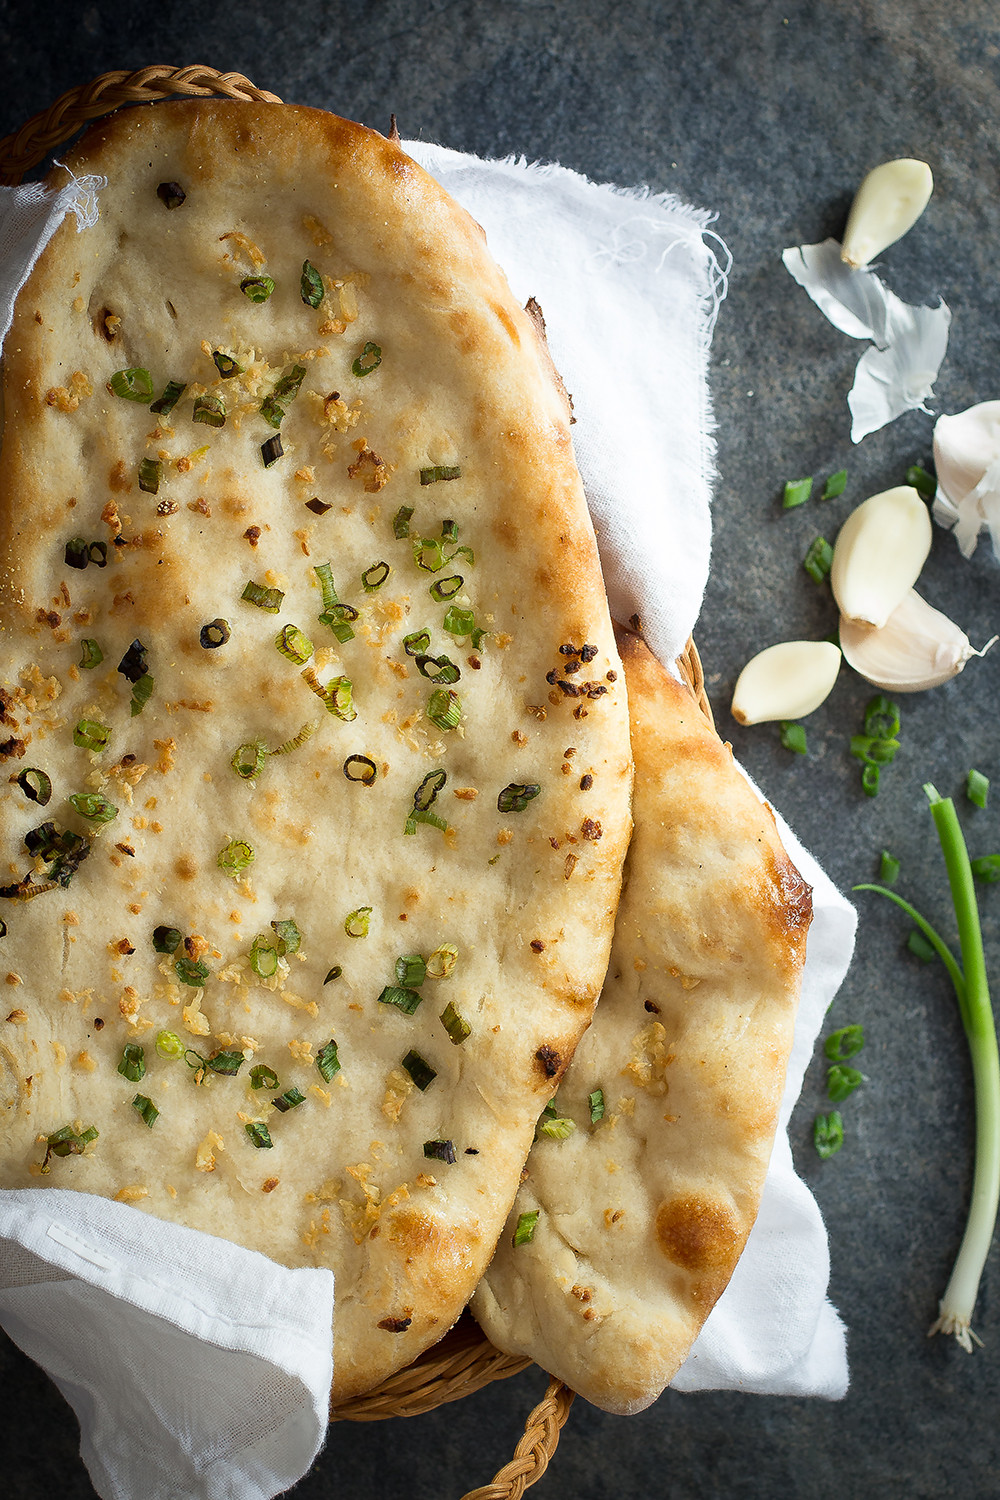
{"points": [[768, 114]]}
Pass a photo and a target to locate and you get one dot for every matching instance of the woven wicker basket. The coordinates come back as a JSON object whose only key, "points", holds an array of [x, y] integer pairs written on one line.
{"points": [[464, 1361]]}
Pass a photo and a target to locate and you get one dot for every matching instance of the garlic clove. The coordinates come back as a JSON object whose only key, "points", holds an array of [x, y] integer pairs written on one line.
{"points": [[917, 648], [889, 201], [787, 681], [967, 461], [879, 553]]}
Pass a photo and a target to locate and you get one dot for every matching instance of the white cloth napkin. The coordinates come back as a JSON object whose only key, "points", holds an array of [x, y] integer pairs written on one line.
{"points": [[630, 286]]}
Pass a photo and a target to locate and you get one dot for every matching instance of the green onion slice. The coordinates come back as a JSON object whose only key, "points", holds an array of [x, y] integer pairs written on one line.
{"points": [[150, 474], [133, 664], [881, 718], [166, 939], [75, 554], [360, 768], [441, 1151], [164, 405], [289, 937], [428, 553], [818, 559], [419, 1069], [264, 598], [835, 485], [841, 1081], [405, 1000], [216, 633], [455, 1025], [263, 1077], [925, 484], [65, 1142], [828, 1133], [147, 1110], [437, 472], [337, 694], [328, 1061], [459, 621], [263, 957], [93, 806], [516, 796], [445, 708], [401, 521], [259, 1135], [441, 963], [596, 1102], [311, 285], [793, 737], [449, 530], [97, 553], [294, 645], [374, 577], [288, 1100], [335, 614], [870, 780], [92, 654], [296, 742], [428, 789], [411, 971], [90, 735], [333, 973], [236, 857], [169, 1045], [557, 1129], [889, 867], [257, 288], [271, 451], [797, 492], [209, 409], [142, 691], [191, 972], [873, 751], [417, 643], [438, 668], [35, 785], [987, 868], [368, 360], [133, 1062], [135, 384], [977, 788], [524, 1233], [410, 826], [844, 1043], [920, 947], [248, 760], [226, 364], [446, 588], [356, 923], [227, 1063]]}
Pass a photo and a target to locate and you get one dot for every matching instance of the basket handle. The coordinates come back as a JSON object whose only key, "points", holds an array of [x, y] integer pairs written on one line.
{"points": [[536, 1447], [55, 125]]}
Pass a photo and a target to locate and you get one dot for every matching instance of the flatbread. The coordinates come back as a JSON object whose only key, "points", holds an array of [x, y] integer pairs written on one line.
{"points": [[416, 383], [643, 1215]]}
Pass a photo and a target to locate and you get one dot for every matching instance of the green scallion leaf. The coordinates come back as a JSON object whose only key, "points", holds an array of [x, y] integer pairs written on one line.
{"points": [[441, 1151], [263, 957], [524, 1232], [356, 923], [92, 654], [925, 484], [870, 780], [263, 1077], [169, 1045], [458, 621], [405, 1000], [596, 1102], [294, 645], [920, 947], [987, 868], [248, 759], [445, 708], [977, 788], [516, 796], [133, 1062], [335, 614], [65, 1142], [288, 935], [889, 867], [558, 1128], [236, 857], [166, 939], [259, 1135], [142, 691], [147, 1110], [446, 588], [150, 474], [164, 405], [873, 751], [835, 485], [266, 599], [437, 472], [401, 521], [135, 384], [290, 1099], [209, 409], [455, 1025], [191, 972], [438, 668], [93, 806], [419, 1069], [417, 643], [793, 737], [227, 1063], [35, 785], [797, 492], [90, 735], [311, 285], [328, 1061], [360, 768], [374, 577], [428, 553], [828, 1133], [337, 694], [818, 559], [368, 360], [411, 971], [841, 1081], [881, 718], [257, 288]]}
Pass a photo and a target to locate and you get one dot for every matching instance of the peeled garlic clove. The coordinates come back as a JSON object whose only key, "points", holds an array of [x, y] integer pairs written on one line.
{"points": [[878, 554], [889, 201], [918, 647], [786, 681], [967, 461]]}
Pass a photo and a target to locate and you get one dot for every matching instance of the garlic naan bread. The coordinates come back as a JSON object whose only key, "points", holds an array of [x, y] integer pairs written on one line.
{"points": [[315, 742], [646, 1176]]}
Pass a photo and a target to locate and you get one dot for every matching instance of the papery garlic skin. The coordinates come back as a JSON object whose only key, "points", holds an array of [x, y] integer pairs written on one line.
{"points": [[889, 201], [879, 553], [786, 681], [917, 648], [967, 461]]}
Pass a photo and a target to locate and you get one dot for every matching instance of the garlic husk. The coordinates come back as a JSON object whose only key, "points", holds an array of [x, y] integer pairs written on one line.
{"points": [[889, 201], [879, 553], [786, 681], [917, 648], [967, 461]]}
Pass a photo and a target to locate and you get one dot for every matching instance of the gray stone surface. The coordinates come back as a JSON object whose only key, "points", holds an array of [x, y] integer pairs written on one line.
{"points": [[769, 114]]}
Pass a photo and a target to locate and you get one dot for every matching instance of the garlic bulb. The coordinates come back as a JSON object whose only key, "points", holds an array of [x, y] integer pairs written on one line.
{"points": [[878, 554], [918, 647], [787, 681], [967, 460], [889, 201]]}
